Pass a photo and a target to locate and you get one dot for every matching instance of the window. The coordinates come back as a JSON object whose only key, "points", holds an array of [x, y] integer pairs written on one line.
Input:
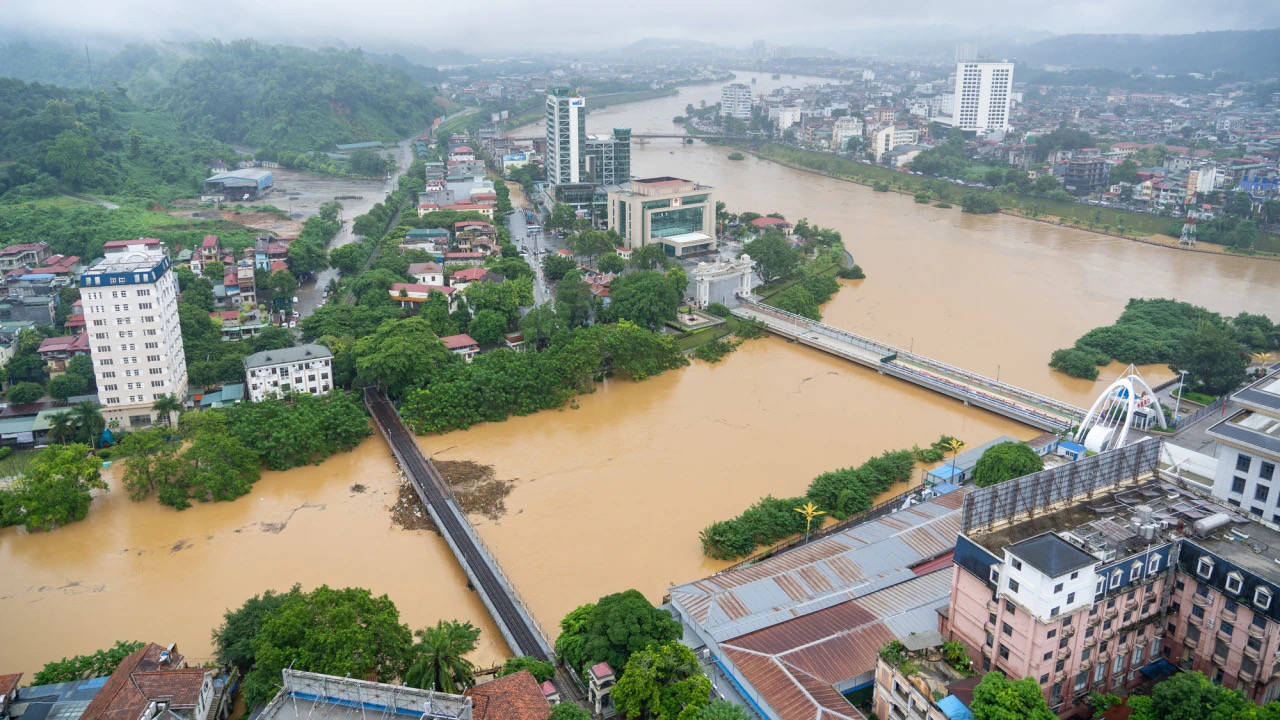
{"points": [[1051, 634], [1010, 608], [1047, 656], [1088, 632], [1204, 568], [1226, 628], [1260, 493], [995, 576], [1242, 462], [1106, 625], [1075, 575], [1057, 667], [1235, 582], [1266, 471], [1237, 485], [1057, 588], [1006, 628], [1044, 678], [1256, 511], [1197, 611], [1013, 585], [1062, 643], [1099, 672], [1100, 587], [1067, 621], [1153, 564], [1116, 577], [1262, 599], [1016, 563], [1135, 571], [1118, 665], [1004, 652]]}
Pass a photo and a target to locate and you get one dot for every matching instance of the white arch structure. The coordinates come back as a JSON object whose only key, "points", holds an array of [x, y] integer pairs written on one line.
{"points": [[1107, 424]]}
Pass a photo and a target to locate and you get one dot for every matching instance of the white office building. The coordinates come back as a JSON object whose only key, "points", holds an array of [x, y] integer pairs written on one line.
{"points": [[983, 90], [130, 301], [735, 101], [276, 373], [843, 130], [566, 135]]}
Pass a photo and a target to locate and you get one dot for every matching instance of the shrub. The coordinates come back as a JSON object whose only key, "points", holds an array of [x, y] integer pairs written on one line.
{"points": [[714, 350], [751, 329], [25, 392], [1006, 461], [880, 186], [923, 198], [851, 273], [718, 309], [942, 204], [979, 203], [737, 156], [1074, 362]]}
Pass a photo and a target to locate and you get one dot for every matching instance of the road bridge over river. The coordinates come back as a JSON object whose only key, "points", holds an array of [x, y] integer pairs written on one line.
{"points": [[1010, 401], [509, 612]]}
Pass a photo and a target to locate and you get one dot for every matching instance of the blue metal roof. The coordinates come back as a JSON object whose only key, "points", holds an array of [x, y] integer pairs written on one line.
{"points": [[954, 709]]}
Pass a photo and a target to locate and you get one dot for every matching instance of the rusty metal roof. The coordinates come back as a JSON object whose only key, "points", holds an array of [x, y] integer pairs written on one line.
{"points": [[854, 562], [795, 665]]}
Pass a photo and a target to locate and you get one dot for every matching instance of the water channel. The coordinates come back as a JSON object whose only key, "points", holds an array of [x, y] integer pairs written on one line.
{"points": [[611, 493]]}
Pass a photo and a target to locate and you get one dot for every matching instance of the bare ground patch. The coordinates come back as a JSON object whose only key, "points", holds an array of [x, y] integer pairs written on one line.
{"points": [[476, 488]]}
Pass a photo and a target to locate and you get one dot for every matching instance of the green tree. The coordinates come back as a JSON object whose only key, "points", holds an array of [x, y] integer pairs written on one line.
{"points": [[979, 203], [299, 429], [562, 218], [439, 657], [150, 462], [25, 392], [349, 258], [646, 298], [89, 422], [487, 327], [340, 632], [330, 211], [82, 366], [539, 325], [663, 683], [773, 255], [401, 355], [73, 158], [611, 263], [83, 667], [593, 243], [1005, 461], [541, 670], [165, 406], [1215, 360], [611, 629], [214, 272], [282, 285], [54, 489], [568, 711], [61, 426], [649, 257], [65, 385], [233, 639], [1238, 203], [573, 300], [998, 698], [368, 162], [1190, 696], [216, 466], [720, 710], [556, 267]]}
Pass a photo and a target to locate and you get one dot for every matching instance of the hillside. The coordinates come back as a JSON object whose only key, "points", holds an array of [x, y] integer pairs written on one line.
{"points": [[54, 139], [1249, 53]]}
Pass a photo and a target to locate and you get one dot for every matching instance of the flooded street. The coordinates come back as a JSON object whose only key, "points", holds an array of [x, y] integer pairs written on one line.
{"points": [[611, 494], [142, 571]]}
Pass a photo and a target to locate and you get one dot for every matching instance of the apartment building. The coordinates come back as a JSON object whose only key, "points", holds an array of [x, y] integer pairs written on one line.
{"points": [[1089, 576], [130, 302], [566, 136], [982, 93], [735, 101], [301, 369]]}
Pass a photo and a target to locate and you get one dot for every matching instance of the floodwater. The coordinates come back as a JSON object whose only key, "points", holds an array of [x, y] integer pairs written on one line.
{"points": [[611, 494], [142, 571]]}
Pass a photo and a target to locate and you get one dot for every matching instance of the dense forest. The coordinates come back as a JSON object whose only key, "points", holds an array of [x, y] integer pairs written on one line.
{"points": [[1250, 53]]}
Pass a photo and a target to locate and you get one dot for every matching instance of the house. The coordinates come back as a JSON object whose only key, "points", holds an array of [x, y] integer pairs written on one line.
{"points": [[470, 258], [229, 394], [63, 265], [154, 682], [517, 696], [8, 691], [602, 680], [463, 344], [23, 255], [427, 273], [238, 324], [209, 249], [305, 368], [58, 351], [460, 279], [482, 208], [430, 240], [513, 341], [762, 224], [410, 294], [468, 234], [624, 252]]}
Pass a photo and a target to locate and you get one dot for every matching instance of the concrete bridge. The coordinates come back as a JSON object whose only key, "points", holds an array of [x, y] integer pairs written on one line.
{"points": [[1008, 400], [509, 612]]}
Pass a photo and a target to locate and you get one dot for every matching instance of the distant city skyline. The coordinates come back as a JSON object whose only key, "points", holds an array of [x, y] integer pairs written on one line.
{"points": [[508, 24]]}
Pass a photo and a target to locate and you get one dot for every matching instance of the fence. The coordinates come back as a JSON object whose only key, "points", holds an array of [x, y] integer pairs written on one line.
{"points": [[1209, 409]]}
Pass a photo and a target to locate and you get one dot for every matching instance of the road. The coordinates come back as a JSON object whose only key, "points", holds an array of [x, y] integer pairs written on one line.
{"points": [[529, 243], [311, 294]]}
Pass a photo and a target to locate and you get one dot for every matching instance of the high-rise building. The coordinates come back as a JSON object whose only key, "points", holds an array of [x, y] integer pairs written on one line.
{"points": [[982, 95], [607, 160], [130, 301], [1249, 450], [566, 136], [735, 101]]}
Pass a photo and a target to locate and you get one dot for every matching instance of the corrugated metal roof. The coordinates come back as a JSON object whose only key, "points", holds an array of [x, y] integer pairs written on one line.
{"points": [[859, 560], [794, 665]]}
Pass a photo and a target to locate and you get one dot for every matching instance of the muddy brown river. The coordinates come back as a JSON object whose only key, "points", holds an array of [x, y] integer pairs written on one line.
{"points": [[611, 493]]}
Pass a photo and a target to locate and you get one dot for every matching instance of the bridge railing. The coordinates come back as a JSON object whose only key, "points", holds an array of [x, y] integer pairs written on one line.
{"points": [[1020, 410], [1006, 388], [805, 323]]}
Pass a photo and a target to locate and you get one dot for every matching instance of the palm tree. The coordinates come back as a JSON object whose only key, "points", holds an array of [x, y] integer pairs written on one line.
{"points": [[166, 406], [439, 661], [62, 428], [89, 421]]}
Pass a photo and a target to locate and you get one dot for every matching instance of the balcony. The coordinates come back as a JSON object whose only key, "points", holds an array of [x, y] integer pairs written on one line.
{"points": [[1090, 642], [1064, 653], [1111, 614], [1246, 678], [1068, 631], [1201, 600], [1251, 653], [901, 692], [1190, 641], [1228, 615], [1131, 604], [1224, 637], [993, 606], [1254, 632], [1197, 621], [1219, 660]]}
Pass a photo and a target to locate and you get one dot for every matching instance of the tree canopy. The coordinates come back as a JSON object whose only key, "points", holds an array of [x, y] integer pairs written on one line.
{"points": [[1005, 461], [438, 660], [53, 490], [999, 698], [773, 255], [83, 667], [662, 682], [233, 640], [401, 355], [611, 629]]}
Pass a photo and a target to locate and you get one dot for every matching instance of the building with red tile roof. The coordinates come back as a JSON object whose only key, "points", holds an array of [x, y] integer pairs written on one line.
{"points": [[57, 351], [114, 246], [517, 696], [463, 345], [75, 322], [8, 691], [153, 681]]}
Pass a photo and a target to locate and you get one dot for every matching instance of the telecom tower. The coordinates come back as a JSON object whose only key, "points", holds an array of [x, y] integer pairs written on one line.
{"points": [[1188, 231]]}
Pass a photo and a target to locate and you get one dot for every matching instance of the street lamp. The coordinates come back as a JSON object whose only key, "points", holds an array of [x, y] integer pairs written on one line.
{"points": [[809, 511], [1177, 412]]}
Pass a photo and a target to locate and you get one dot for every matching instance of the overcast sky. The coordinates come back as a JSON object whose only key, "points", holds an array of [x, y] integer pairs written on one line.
{"points": [[547, 24]]}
